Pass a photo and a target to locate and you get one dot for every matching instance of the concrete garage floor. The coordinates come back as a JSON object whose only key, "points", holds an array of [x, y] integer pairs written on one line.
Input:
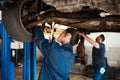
{"points": [[78, 77], [18, 75]]}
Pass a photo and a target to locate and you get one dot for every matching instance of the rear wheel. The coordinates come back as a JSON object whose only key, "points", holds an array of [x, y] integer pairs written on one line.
{"points": [[17, 16]]}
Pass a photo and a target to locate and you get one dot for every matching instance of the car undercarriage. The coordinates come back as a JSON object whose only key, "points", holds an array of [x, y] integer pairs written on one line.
{"points": [[86, 15]]}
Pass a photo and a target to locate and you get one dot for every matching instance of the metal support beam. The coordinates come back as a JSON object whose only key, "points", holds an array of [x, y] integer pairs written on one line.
{"points": [[26, 62], [7, 66], [29, 61], [33, 61]]}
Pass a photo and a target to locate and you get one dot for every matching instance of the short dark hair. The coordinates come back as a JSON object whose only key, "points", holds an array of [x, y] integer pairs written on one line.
{"points": [[75, 36], [103, 37]]}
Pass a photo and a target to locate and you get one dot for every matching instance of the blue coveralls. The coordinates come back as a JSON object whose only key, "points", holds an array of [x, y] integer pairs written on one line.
{"points": [[99, 62], [58, 60]]}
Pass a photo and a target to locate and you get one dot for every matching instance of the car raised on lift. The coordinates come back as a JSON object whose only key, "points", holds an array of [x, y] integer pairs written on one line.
{"points": [[85, 15]]}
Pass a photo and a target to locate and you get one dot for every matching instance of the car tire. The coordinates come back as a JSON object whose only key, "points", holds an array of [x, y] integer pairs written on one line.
{"points": [[11, 17]]}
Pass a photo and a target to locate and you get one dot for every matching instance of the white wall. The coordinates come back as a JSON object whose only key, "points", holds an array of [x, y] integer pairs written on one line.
{"points": [[0, 15], [112, 43], [111, 39]]}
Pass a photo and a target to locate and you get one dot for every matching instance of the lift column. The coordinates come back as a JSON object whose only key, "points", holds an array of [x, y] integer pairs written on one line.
{"points": [[29, 61], [7, 66]]}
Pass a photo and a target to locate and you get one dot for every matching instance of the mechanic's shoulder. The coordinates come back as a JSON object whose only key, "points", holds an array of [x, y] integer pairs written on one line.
{"points": [[55, 44]]}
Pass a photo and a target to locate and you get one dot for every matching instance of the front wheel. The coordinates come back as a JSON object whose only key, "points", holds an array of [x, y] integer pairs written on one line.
{"points": [[17, 16]]}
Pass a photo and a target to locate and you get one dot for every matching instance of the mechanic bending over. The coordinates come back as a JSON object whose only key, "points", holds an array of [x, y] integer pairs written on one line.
{"points": [[58, 59], [98, 53]]}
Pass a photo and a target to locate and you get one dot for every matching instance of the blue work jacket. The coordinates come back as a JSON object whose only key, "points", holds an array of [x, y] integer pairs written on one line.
{"points": [[58, 59]]}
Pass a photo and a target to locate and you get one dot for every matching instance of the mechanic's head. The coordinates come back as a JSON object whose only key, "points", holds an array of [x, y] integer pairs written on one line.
{"points": [[69, 35], [100, 38]]}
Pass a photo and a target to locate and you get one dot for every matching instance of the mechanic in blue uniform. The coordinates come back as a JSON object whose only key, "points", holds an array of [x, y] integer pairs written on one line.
{"points": [[98, 53], [58, 58]]}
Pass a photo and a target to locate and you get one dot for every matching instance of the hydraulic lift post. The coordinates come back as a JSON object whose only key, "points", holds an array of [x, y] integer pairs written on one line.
{"points": [[7, 66], [33, 62], [29, 61]]}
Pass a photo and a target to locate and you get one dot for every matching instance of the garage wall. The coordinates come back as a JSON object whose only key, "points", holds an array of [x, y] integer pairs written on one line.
{"points": [[112, 43]]}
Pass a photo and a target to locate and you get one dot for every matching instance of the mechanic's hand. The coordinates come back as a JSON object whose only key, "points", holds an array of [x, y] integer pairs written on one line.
{"points": [[82, 34]]}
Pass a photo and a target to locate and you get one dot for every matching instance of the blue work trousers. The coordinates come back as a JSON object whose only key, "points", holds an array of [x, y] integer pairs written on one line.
{"points": [[99, 72]]}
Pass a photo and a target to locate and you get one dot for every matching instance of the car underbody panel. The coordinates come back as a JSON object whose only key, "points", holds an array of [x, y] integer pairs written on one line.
{"points": [[85, 15], [110, 6]]}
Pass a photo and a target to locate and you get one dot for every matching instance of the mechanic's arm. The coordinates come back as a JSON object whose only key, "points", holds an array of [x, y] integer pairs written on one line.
{"points": [[95, 44], [41, 42], [38, 33]]}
